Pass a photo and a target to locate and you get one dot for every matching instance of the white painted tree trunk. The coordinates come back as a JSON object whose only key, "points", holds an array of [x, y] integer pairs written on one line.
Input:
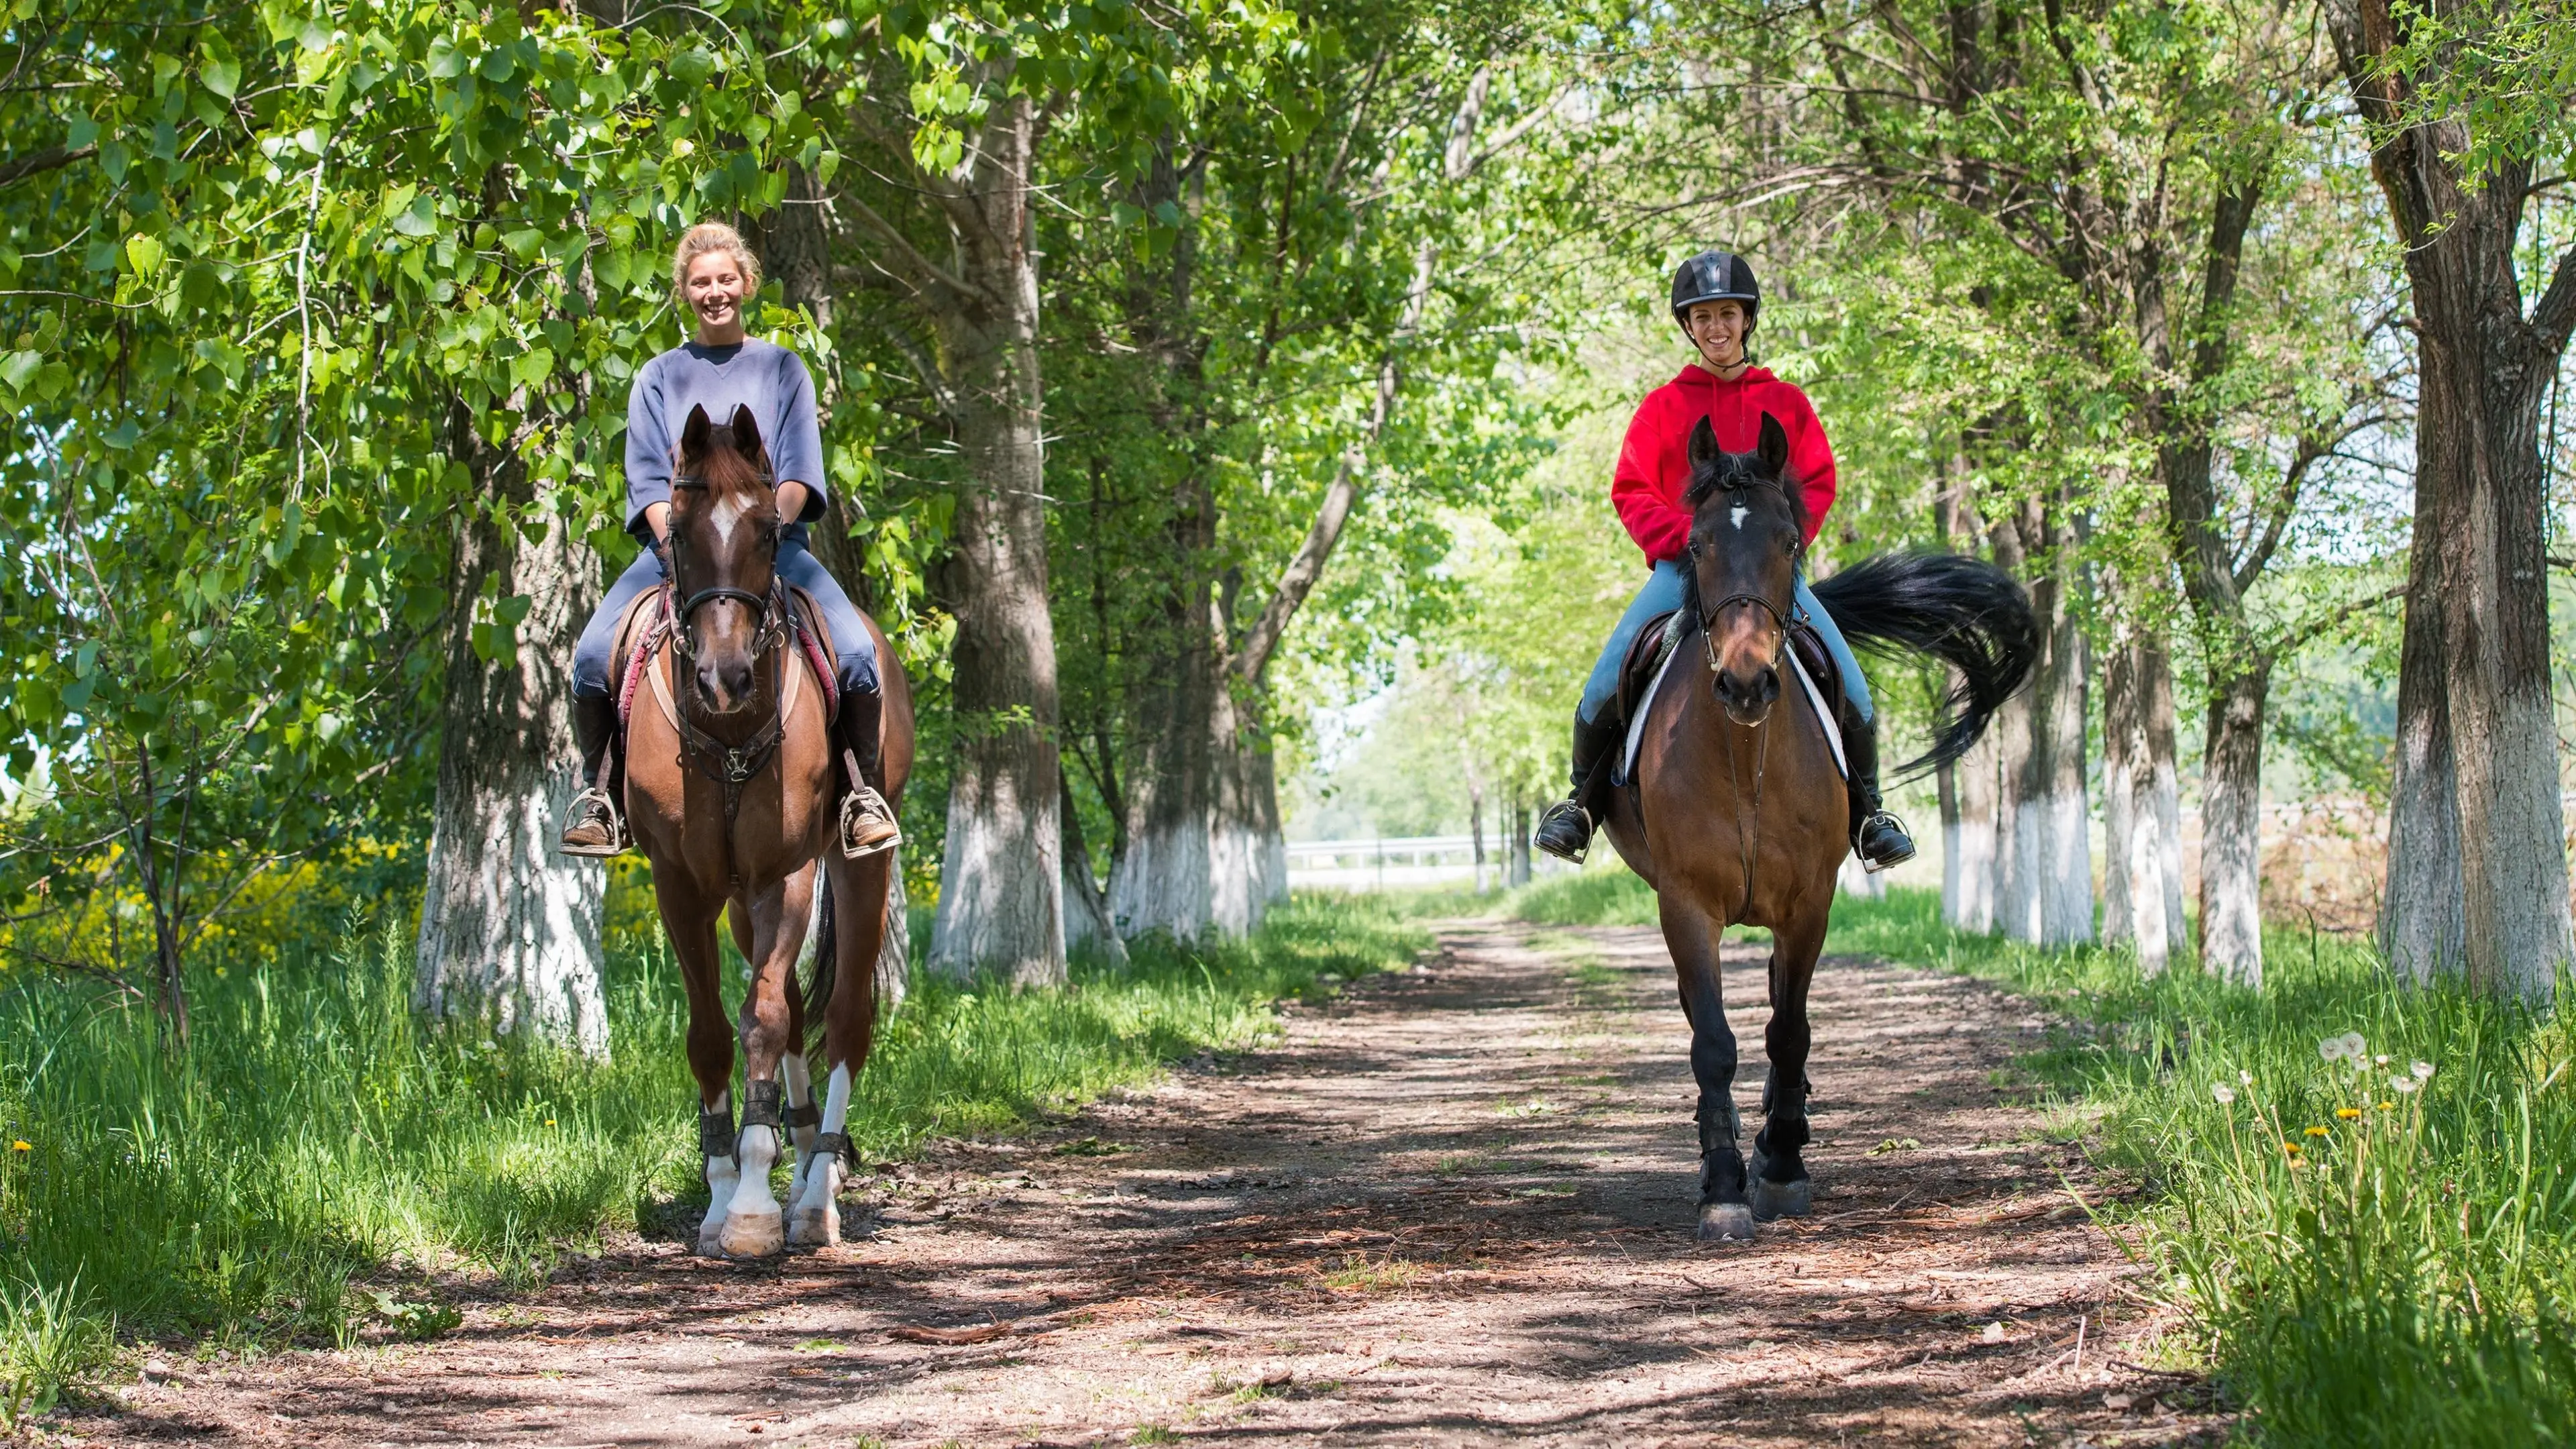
{"points": [[2141, 805], [2044, 890], [510, 930], [1968, 845]]}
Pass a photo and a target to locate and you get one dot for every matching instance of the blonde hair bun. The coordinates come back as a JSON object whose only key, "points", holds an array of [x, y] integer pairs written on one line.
{"points": [[712, 236]]}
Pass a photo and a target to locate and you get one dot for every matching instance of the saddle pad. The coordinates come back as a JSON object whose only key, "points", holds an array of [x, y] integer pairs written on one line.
{"points": [[1637, 720], [636, 640], [817, 641]]}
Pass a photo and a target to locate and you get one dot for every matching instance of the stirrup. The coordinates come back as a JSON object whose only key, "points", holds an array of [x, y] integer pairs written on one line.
{"points": [[858, 807], [1889, 820], [1557, 812], [618, 839]]}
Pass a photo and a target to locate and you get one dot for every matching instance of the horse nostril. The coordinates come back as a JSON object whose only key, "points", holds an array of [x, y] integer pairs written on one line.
{"points": [[737, 680], [1770, 684]]}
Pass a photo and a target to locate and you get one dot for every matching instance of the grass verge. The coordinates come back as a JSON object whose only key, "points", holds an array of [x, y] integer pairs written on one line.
{"points": [[318, 1143], [2369, 1251]]}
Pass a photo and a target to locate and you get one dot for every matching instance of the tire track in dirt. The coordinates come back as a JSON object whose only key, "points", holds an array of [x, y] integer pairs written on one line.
{"points": [[1454, 1206]]}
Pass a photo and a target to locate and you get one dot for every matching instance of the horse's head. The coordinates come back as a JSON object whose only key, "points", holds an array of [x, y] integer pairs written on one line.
{"points": [[724, 554], [1748, 526]]}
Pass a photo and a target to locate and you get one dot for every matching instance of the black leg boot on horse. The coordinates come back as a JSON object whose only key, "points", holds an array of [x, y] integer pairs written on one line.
{"points": [[593, 825], [1878, 838], [867, 822], [1565, 831]]}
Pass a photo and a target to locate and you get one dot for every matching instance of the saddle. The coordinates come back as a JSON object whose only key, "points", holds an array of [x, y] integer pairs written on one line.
{"points": [[1651, 653]]}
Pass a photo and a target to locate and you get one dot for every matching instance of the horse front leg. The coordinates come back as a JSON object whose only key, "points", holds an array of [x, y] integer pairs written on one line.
{"points": [[754, 1226], [1780, 1187], [860, 890], [1693, 936], [691, 924], [793, 1077]]}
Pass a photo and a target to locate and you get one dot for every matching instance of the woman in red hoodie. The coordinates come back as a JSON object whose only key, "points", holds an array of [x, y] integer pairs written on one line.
{"points": [[1717, 302]]}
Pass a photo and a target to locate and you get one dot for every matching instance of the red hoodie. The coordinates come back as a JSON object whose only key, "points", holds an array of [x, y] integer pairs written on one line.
{"points": [[1654, 463]]}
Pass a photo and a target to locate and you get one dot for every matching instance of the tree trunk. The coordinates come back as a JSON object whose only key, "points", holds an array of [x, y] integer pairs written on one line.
{"points": [[1086, 914], [510, 930], [1168, 879], [2044, 888], [2479, 471], [2141, 805], [2421, 922], [2231, 824], [1001, 891], [1519, 844], [1968, 857]]}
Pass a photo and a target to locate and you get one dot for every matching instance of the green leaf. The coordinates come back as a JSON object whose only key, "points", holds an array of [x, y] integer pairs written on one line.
{"points": [[523, 244], [17, 367], [144, 254], [223, 77]]}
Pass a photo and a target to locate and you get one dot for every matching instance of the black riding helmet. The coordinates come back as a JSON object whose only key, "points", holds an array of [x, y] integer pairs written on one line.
{"points": [[1715, 276]]}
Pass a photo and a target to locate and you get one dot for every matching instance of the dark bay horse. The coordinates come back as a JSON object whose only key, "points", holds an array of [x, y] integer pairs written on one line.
{"points": [[1739, 813], [731, 790]]}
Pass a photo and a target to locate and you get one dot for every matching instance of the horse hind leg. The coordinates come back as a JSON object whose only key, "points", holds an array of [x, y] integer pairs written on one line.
{"points": [[848, 950]]}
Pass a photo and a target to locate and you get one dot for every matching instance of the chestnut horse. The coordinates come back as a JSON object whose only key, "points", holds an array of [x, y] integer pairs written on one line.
{"points": [[732, 794], [1738, 813]]}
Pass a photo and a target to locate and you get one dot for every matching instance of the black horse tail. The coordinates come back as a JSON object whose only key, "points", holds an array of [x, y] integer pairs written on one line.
{"points": [[827, 956], [1963, 611]]}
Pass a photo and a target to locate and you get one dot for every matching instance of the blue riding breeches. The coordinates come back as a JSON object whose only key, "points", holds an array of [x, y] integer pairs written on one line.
{"points": [[1663, 593], [854, 651]]}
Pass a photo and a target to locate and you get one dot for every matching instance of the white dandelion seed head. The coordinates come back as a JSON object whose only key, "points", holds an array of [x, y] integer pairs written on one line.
{"points": [[2354, 1046], [2245, 1077], [2331, 1049], [2423, 1071], [2403, 1084], [2223, 1092], [2382, 1059]]}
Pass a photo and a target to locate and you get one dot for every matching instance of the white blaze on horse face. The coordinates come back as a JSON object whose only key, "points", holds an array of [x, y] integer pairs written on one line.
{"points": [[1736, 514], [728, 510]]}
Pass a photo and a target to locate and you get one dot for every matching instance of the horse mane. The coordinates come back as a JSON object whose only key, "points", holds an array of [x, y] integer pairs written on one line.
{"points": [[726, 469]]}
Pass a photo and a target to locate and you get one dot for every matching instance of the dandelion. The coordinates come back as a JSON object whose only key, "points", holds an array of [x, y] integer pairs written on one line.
{"points": [[2403, 1084], [2381, 1059], [2346, 1113], [2223, 1092], [2246, 1077], [2423, 1071], [21, 1145], [2316, 1132], [2354, 1046], [2387, 1106], [2290, 1148], [550, 1121], [2332, 1049]]}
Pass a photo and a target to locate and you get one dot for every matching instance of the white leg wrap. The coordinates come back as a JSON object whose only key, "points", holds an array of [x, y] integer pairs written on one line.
{"points": [[752, 1225], [721, 1181], [817, 1210], [800, 1090]]}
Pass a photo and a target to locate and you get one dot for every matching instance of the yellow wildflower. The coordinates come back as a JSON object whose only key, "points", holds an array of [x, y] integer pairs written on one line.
{"points": [[2347, 1113], [21, 1145], [2316, 1132], [2387, 1106]]}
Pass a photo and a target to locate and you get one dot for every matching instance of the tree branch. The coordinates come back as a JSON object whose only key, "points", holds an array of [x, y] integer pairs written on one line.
{"points": [[19, 168]]}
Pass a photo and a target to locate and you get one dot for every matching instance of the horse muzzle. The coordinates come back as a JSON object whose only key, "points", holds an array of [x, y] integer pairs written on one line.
{"points": [[1747, 696], [724, 685]]}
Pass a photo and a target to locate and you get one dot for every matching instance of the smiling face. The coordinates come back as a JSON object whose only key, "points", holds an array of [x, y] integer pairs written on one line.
{"points": [[1717, 330], [714, 290], [1746, 535]]}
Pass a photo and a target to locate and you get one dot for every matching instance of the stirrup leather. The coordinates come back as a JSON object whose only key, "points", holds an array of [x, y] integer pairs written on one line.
{"points": [[574, 815], [860, 805]]}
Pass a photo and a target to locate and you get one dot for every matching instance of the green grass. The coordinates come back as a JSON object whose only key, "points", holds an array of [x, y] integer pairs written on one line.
{"points": [[319, 1149], [2408, 1276]]}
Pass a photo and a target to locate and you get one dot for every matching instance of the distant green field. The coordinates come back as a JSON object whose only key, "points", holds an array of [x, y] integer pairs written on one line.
{"points": [[319, 1146], [2407, 1275]]}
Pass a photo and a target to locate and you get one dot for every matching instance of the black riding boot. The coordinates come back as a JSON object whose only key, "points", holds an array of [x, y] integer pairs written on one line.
{"points": [[1565, 831], [1877, 837], [867, 822], [592, 825]]}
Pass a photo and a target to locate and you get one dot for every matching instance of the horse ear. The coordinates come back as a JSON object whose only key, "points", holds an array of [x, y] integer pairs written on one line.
{"points": [[1703, 445], [694, 434], [746, 432], [1773, 449]]}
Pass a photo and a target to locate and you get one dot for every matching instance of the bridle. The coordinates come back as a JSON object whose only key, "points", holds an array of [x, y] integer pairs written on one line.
{"points": [[1748, 816], [731, 766]]}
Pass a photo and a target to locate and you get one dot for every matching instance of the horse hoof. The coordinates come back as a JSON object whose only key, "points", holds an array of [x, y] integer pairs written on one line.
{"points": [[1725, 1222], [816, 1227], [1781, 1199], [711, 1235], [745, 1236]]}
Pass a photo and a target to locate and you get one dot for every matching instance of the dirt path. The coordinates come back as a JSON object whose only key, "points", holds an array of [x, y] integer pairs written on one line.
{"points": [[1453, 1207]]}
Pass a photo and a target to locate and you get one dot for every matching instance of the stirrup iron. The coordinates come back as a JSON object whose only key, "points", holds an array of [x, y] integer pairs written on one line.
{"points": [[863, 800], [619, 839]]}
